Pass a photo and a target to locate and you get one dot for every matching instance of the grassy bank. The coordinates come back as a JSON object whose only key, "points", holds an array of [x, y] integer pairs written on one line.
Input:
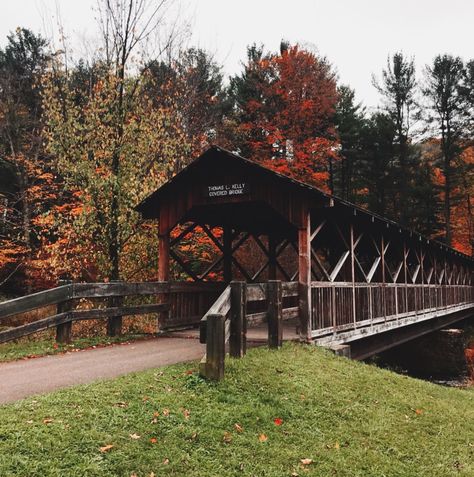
{"points": [[298, 411]]}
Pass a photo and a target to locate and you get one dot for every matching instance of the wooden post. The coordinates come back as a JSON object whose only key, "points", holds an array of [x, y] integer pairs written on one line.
{"points": [[114, 323], [213, 368], [272, 257], [275, 314], [164, 257], [352, 251], [238, 319], [227, 252], [64, 330], [304, 276]]}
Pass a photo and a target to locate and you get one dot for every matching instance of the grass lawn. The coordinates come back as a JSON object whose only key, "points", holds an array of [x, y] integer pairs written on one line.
{"points": [[274, 409], [27, 348]]}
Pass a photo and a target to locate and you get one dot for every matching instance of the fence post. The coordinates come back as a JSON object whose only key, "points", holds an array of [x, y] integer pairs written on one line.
{"points": [[63, 331], [114, 323], [275, 314], [213, 368], [238, 319]]}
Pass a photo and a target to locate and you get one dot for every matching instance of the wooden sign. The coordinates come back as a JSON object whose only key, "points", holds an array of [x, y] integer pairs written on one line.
{"points": [[227, 190]]}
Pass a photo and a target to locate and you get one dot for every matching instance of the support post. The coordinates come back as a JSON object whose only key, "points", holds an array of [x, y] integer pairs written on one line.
{"points": [[227, 252], [64, 330], [114, 323], [164, 257], [213, 366], [272, 258], [238, 319], [275, 314], [304, 276]]}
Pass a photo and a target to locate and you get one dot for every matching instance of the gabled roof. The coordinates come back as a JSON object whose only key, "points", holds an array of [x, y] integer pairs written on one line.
{"points": [[152, 202]]}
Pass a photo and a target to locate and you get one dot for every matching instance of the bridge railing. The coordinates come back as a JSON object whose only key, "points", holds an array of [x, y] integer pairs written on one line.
{"points": [[341, 306], [228, 318], [176, 303]]}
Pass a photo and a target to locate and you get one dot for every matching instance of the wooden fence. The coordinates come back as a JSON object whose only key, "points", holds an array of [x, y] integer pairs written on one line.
{"points": [[339, 307], [178, 304], [228, 318]]}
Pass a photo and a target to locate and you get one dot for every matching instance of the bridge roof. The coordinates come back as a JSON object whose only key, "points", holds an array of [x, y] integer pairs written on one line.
{"points": [[150, 206]]}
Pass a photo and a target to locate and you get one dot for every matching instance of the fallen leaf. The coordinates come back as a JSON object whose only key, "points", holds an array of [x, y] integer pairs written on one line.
{"points": [[238, 427], [29, 422], [135, 436], [336, 446], [121, 404], [306, 461], [418, 411], [278, 421], [186, 414], [227, 437], [166, 461], [48, 420], [262, 438], [166, 412], [153, 440], [106, 448]]}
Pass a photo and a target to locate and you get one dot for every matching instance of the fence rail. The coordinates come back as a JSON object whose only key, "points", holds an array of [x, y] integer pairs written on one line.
{"points": [[339, 307], [178, 304], [227, 320]]}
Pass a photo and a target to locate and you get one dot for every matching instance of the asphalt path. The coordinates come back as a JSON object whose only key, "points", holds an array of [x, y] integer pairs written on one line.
{"points": [[23, 378]]}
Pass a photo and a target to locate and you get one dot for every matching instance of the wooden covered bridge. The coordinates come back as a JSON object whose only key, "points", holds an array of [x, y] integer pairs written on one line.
{"points": [[354, 281], [362, 280]]}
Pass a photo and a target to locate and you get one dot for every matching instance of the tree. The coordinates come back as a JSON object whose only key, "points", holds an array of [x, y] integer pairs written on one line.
{"points": [[446, 101], [21, 153], [350, 123], [193, 82], [398, 88], [111, 145], [286, 104]]}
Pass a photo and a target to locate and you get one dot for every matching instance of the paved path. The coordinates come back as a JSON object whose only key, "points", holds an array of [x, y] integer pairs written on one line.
{"points": [[20, 379]]}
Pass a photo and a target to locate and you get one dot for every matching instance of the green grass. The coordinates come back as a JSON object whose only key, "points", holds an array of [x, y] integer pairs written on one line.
{"points": [[351, 419], [26, 348]]}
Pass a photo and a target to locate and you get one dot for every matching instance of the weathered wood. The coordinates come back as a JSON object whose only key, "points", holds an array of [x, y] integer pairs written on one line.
{"points": [[34, 327], [98, 313], [220, 306], [275, 315], [227, 253], [35, 300], [238, 322], [213, 367], [114, 323], [304, 277], [64, 330], [289, 289], [256, 292], [104, 290]]}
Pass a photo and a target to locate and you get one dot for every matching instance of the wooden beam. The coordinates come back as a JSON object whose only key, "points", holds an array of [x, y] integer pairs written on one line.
{"points": [[227, 254], [275, 314], [304, 276], [238, 321]]}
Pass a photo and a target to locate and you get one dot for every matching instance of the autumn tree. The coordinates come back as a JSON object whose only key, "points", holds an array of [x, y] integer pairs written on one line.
{"points": [[22, 62], [285, 104], [112, 146]]}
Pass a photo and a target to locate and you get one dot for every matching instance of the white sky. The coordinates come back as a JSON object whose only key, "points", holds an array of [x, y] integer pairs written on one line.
{"points": [[356, 35]]}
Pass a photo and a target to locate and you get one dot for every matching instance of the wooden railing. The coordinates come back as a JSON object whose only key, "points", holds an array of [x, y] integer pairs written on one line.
{"points": [[178, 304], [338, 307], [228, 318]]}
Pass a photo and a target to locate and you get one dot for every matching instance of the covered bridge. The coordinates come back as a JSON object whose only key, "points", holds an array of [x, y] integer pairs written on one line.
{"points": [[362, 280]]}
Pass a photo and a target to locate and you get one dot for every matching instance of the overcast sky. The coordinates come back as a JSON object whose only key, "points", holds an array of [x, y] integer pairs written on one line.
{"points": [[356, 35]]}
